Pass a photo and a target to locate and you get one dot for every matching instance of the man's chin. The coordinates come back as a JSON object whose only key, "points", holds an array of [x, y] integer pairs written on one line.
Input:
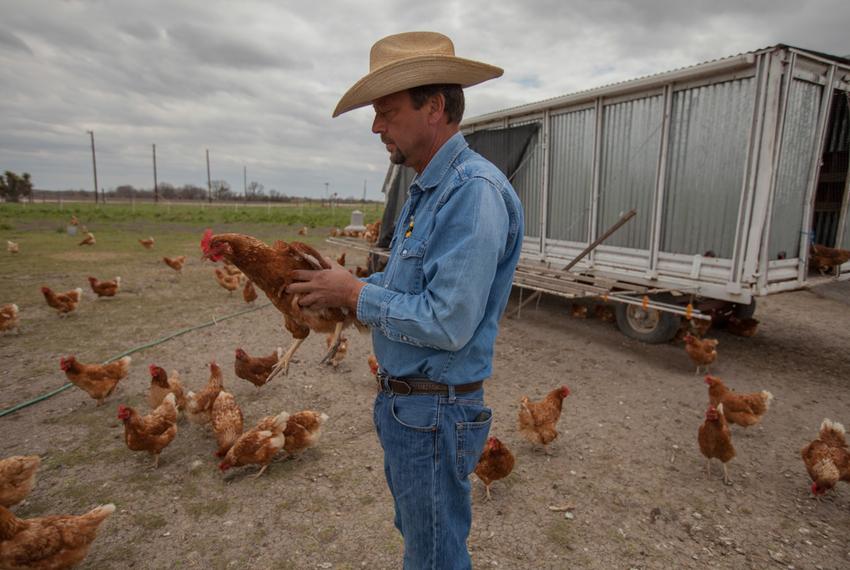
{"points": [[397, 157]]}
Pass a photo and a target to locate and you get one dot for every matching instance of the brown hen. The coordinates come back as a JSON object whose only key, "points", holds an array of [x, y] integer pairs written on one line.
{"points": [[270, 268]]}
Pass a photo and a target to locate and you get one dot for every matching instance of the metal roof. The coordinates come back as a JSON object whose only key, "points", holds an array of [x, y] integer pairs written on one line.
{"points": [[681, 73]]}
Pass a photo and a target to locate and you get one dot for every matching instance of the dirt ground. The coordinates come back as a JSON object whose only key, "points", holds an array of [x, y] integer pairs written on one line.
{"points": [[626, 463]]}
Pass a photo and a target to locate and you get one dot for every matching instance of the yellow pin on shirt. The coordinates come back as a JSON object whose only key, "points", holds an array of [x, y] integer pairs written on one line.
{"points": [[409, 228]]}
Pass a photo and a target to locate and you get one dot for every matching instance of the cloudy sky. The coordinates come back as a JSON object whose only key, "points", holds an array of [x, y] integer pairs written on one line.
{"points": [[255, 82]]}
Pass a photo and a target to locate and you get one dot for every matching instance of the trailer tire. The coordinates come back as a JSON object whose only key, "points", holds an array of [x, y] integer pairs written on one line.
{"points": [[651, 326], [744, 311]]}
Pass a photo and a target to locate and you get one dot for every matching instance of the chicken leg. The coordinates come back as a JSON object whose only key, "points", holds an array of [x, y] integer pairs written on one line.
{"points": [[337, 340], [283, 364], [260, 472]]}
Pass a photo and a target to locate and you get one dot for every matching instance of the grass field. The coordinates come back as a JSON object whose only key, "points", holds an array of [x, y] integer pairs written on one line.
{"points": [[195, 213]]}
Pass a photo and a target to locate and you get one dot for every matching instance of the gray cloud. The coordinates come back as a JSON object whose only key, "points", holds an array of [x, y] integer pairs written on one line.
{"points": [[256, 81], [13, 42]]}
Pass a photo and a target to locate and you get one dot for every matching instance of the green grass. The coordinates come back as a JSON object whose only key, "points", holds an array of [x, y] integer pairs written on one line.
{"points": [[195, 213]]}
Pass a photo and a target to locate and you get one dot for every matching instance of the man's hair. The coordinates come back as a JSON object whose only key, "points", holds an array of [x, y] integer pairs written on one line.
{"points": [[452, 93]]}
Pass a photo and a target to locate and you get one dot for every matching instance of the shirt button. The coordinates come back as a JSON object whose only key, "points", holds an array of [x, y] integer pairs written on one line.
{"points": [[404, 252]]}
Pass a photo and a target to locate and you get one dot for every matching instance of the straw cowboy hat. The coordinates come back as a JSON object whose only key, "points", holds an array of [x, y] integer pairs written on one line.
{"points": [[411, 59]]}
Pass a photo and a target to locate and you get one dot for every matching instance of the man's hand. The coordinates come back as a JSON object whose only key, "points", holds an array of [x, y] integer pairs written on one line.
{"points": [[334, 287]]}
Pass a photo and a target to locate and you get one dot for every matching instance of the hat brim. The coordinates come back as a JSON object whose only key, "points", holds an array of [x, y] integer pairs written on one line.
{"points": [[413, 72]]}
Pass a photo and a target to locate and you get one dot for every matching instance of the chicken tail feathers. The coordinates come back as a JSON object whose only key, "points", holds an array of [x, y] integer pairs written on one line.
{"points": [[100, 513], [767, 398], [832, 433]]}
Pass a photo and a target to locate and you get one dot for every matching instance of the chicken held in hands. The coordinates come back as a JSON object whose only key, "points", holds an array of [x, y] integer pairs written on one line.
{"points": [[162, 384], [96, 380], [199, 406], [17, 477], [227, 422], [64, 303], [259, 445], [341, 351], [175, 263], [715, 440], [741, 409], [255, 369], [105, 288], [153, 432], [48, 543], [496, 462], [271, 269], [538, 420], [9, 320], [827, 458], [703, 352]]}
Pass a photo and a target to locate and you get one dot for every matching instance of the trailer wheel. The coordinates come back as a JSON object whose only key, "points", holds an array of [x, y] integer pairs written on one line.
{"points": [[650, 326], [744, 311]]}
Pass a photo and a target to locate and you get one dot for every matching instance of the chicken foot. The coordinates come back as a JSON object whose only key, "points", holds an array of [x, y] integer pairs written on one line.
{"points": [[337, 340], [283, 364]]}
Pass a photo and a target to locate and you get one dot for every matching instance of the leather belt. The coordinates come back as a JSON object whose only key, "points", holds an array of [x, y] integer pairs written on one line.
{"points": [[408, 386]]}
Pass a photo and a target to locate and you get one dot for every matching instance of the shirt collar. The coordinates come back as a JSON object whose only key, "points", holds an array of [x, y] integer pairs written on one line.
{"points": [[440, 164]]}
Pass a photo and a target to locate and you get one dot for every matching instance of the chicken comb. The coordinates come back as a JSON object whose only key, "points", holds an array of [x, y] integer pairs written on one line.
{"points": [[205, 241], [152, 369]]}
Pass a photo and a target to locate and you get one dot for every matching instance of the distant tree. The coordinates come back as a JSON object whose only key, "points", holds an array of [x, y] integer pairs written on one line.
{"points": [[125, 191], [221, 190], [13, 187], [191, 192], [255, 190], [167, 191]]}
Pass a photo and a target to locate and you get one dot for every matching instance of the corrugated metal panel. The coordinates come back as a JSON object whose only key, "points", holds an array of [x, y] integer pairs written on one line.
{"points": [[845, 242], [630, 144], [570, 170], [706, 167], [528, 182], [794, 168]]}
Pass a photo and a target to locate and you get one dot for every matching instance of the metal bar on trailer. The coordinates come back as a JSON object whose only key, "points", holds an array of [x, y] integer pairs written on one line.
{"points": [[595, 183], [675, 309], [544, 199], [623, 219], [817, 159], [845, 201], [764, 253], [660, 183]]}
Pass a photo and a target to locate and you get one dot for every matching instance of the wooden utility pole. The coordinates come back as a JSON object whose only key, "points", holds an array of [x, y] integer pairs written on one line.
{"points": [[209, 182], [155, 185], [94, 165]]}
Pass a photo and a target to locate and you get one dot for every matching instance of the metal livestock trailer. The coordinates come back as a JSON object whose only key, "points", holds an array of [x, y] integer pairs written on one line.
{"points": [[734, 166]]}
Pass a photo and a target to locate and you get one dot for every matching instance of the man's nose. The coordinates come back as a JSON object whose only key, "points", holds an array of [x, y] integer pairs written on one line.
{"points": [[378, 126]]}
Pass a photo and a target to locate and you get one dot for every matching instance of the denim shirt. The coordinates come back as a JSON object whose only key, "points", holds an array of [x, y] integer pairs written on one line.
{"points": [[435, 309]]}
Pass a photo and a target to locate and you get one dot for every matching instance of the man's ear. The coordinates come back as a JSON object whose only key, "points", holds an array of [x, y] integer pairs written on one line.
{"points": [[436, 108]]}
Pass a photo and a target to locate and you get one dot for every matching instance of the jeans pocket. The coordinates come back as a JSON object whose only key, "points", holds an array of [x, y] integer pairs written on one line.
{"points": [[415, 412], [471, 437]]}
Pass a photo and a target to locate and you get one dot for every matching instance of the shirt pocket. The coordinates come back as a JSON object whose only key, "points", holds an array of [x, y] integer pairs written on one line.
{"points": [[408, 275]]}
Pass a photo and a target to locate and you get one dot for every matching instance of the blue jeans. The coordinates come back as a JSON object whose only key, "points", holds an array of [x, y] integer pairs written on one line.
{"points": [[431, 445]]}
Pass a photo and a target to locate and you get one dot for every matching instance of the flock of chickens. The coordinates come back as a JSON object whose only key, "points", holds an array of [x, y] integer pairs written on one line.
{"points": [[63, 541]]}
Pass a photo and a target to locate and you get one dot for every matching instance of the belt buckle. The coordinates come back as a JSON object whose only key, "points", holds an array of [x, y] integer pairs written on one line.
{"points": [[405, 383]]}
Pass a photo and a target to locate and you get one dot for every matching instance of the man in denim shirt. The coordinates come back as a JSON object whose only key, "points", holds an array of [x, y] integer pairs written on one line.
{"points": [[435, 309]]}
